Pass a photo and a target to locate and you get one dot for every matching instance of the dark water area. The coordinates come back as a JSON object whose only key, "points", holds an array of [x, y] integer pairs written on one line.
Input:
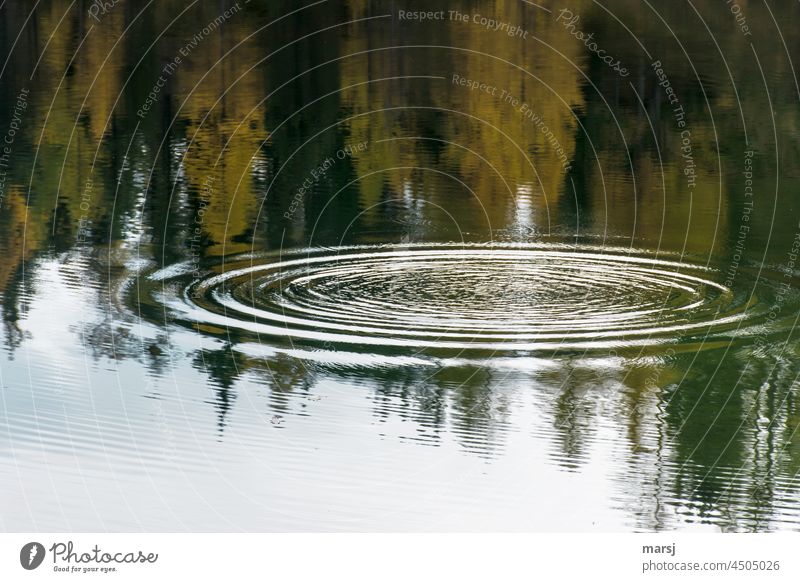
{"points": [[349, 266]]}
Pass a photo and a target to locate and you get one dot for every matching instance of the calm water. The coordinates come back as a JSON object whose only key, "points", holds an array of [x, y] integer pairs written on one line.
{"points": [[328, 266]]}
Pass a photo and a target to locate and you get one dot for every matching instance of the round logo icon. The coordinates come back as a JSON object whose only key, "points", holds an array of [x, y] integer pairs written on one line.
{"points": [[31, 555]]}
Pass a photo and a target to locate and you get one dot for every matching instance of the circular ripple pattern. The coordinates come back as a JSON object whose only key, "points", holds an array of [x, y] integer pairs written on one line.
{"points": [[489, 297]]}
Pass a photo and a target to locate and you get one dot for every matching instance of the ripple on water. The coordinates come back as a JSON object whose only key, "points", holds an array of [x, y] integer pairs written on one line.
{"points": [[499, 298]]}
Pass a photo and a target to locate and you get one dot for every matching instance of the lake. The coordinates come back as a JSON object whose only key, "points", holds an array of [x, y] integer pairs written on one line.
{"points": [[386, 266]]}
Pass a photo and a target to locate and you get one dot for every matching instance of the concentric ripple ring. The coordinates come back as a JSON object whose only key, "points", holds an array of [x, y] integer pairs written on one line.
{"points": [[490, 297]]}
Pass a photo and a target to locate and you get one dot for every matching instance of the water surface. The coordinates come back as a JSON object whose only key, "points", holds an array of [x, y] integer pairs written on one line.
{"points": [[281, 267]]}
